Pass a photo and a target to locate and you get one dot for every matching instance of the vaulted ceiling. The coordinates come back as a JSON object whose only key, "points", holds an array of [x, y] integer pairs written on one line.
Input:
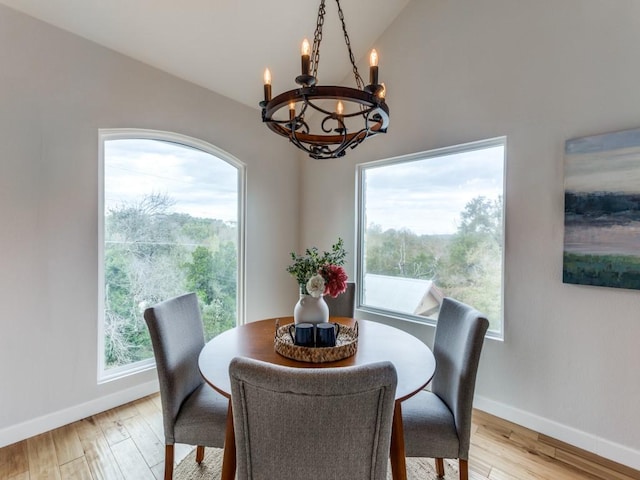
{"points": [[223, 45]]}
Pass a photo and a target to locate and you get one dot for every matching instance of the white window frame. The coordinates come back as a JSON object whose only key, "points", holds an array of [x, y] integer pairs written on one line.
{"points": [[106, 134], [361, 227]]}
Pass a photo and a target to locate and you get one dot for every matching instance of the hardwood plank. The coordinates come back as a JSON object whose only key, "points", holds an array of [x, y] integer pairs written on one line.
{"points": [[112, 427], [484, 418], [22, 476], [147, 442], [110, 421], [43, 463], [131, 462], [157, 400], [100, 459], [591, 467], [531, 444], [14, 460], [478, 464], [67, 444], [88, 428], [148, 404], [158, 471], [520, 462], [497, 474], [181, 450], [590, 457], [75, 470], [152, 415]]}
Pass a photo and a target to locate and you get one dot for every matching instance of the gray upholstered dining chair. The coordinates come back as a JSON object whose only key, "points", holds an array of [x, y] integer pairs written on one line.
{"points": [[192, 411], [344, 304], [437, 424], [303, 423]]}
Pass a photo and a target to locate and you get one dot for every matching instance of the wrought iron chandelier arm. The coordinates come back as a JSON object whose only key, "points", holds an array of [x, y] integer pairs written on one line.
{"points": [[365, 105]]}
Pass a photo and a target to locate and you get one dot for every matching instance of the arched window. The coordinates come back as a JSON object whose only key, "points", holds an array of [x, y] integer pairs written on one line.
{"points": [[171, 211]]}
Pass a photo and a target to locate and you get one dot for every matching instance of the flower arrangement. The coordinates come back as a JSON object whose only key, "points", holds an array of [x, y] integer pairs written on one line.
{"points": [[319, 275]]}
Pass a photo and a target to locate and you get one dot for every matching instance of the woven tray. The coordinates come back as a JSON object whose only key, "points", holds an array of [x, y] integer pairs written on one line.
{"points": [[346, 345]]}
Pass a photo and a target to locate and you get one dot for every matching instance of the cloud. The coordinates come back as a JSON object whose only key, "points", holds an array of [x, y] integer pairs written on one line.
{"points": [[427, 195], [201, 184]]}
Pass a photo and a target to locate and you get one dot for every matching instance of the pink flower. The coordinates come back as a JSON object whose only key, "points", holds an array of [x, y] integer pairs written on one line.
{"points": [[335, 280]]}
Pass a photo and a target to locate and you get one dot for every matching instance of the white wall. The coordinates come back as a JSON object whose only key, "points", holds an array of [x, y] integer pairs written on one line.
{"points": [[539, 72], [56, 91]]}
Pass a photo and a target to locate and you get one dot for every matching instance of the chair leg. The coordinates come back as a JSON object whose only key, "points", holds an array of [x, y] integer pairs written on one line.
{"points": [[463, 466], [199, 454], [439, 467], [168, 462]]}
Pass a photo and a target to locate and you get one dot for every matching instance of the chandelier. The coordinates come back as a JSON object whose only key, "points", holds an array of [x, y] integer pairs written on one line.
{"points": [[325, 121]]}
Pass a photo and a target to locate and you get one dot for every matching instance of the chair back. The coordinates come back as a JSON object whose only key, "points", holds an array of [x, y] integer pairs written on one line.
{"points": [[177, 336], [457, 345], [343, 305], [297, 423]]}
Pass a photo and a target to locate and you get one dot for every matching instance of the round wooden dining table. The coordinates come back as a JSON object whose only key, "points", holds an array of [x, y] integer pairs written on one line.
{"points": [[413, 360]]}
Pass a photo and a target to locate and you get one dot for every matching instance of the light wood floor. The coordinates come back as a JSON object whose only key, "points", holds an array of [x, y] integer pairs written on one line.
{"points": [[126, 443]]}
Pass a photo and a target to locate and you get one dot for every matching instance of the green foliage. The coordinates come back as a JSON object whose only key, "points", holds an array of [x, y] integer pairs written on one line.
{"points": [[619, 271], [213, 275], [307, 265], [465, 265], [218, 317], [402, 253], [200, 274], [152, 255]]}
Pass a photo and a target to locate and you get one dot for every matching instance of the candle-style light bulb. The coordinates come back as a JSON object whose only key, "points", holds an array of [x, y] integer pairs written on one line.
{"points": [[340, 108], [373, 67], [267, 85], [305, 51], [292, 112], [373, 58]]}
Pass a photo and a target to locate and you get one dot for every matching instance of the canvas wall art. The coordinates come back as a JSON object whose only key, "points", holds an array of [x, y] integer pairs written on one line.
{"points": [[602, 210]]}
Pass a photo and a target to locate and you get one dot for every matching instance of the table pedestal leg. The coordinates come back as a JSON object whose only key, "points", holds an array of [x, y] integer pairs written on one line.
{"points": [[229, 457], [398, 461]]}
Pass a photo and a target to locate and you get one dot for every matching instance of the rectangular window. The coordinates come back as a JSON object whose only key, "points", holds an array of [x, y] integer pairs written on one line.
{"points": [[170, 225], [430, 226]]}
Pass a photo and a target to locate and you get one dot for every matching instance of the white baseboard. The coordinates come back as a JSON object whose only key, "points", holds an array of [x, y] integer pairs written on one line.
{"points": [[36, 426], [586, 441]]}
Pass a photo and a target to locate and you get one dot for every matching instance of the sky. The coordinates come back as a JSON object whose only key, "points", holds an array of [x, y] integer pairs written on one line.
{"points": [[201, 184], [426, 196]]}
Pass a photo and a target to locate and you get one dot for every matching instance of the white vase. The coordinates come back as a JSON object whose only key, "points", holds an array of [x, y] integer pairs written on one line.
{"points": [[311, 310]]}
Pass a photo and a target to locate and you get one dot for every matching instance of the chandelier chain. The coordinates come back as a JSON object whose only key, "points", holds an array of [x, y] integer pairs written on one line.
{"points": [[359, 81], [317, 38]]}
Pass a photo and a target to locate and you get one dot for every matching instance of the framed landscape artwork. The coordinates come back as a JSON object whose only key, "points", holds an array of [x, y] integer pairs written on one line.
{"points": [[602, 210]]}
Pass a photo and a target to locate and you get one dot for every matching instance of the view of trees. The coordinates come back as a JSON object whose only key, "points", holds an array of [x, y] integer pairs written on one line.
{"points": [[466, 265], [152, 254]]}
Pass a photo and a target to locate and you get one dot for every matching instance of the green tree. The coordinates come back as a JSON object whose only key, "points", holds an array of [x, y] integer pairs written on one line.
{"points": [[152, 254], [472, 270], [200, 274], [465, 265], [401, 253]]}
